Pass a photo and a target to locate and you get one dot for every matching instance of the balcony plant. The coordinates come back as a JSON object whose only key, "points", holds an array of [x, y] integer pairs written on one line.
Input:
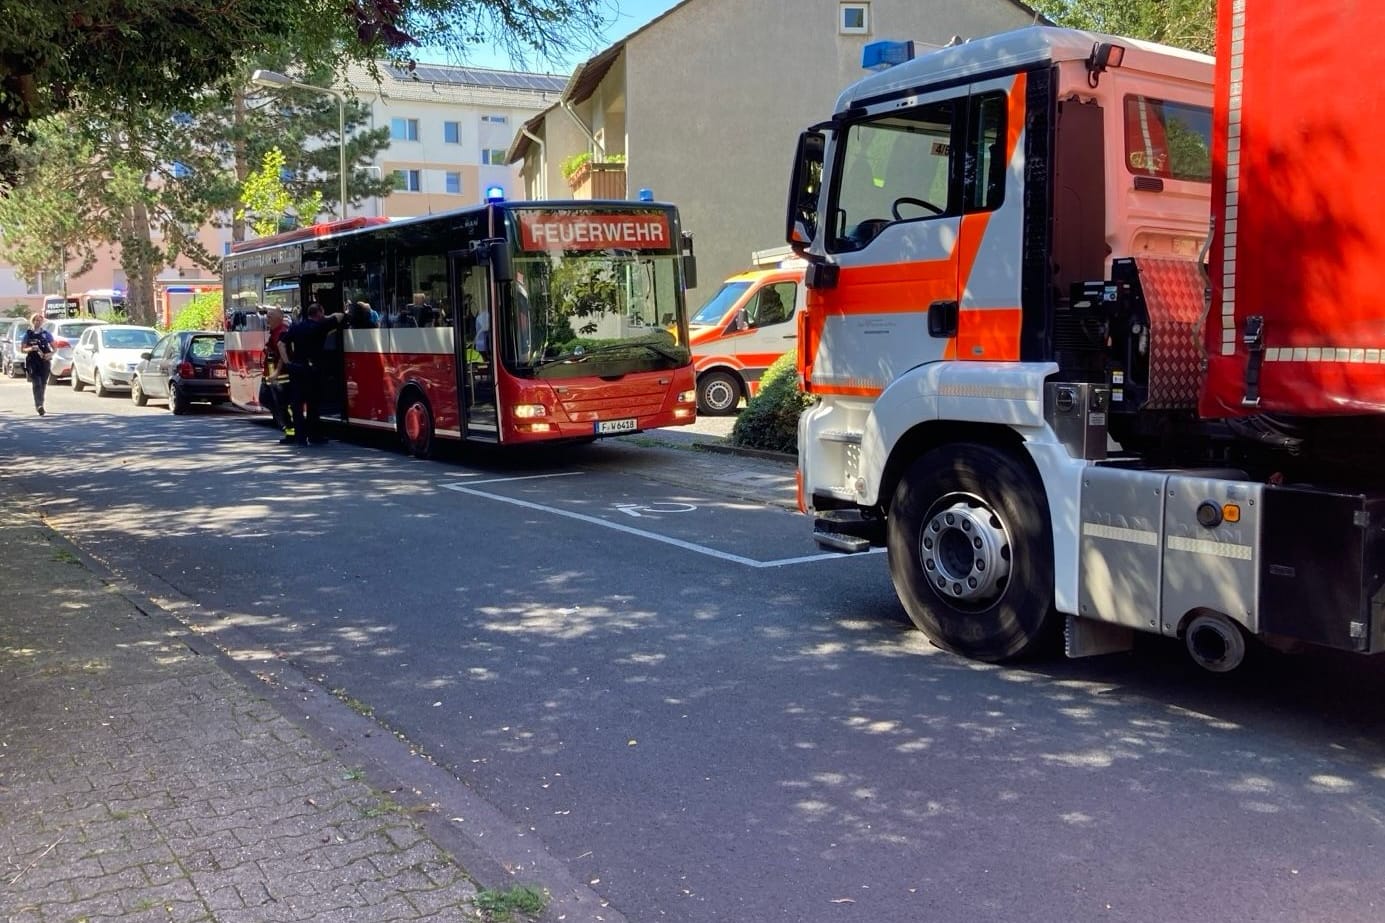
{"points": [[578, 168]]}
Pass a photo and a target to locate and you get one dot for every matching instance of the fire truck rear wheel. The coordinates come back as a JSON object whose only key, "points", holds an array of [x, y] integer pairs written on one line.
{"points": [[416, 425], [971, 553], [718, 394]]}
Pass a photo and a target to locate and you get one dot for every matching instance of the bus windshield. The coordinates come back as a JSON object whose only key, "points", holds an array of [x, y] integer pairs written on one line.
{"points": [[582, 303]]}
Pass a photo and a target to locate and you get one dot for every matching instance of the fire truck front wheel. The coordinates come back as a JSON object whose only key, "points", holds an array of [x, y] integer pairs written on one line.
{"points": [[718, 394], [415, 424], [971, 553]]}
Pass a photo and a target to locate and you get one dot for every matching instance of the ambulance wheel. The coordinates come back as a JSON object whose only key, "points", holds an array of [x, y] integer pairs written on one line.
{"points": [[971, 553], [415, 425], [718, 394]]}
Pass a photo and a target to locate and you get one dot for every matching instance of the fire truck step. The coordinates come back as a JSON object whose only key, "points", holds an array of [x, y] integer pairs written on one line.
{"points": [[838, 541]]}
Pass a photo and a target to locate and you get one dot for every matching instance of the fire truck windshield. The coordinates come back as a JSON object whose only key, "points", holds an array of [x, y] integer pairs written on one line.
{"points": [[592, 312]]}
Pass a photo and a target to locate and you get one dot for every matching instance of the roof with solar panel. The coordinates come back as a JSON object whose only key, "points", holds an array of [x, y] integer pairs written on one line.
{"points": [[476, 77]]}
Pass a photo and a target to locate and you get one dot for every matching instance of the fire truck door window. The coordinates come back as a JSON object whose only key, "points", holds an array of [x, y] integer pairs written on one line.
{"points": [[898, 167], [984, 178]]}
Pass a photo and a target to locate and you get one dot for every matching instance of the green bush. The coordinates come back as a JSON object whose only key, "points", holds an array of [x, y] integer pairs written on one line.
{"points": [[770, 418], [201, 313]]}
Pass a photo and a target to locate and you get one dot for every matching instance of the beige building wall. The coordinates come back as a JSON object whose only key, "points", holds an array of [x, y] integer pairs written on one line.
{"points": [[720, 89]]}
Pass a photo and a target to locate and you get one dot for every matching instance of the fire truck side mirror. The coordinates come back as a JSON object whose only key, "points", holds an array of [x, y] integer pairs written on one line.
{"points": [[801, 224]]}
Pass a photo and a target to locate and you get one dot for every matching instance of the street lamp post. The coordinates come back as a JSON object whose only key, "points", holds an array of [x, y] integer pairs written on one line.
{"points": [[276, 80]]}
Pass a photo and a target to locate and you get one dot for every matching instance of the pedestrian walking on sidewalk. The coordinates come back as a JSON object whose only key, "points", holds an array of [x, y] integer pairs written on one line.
{"points": [[37, 347]]}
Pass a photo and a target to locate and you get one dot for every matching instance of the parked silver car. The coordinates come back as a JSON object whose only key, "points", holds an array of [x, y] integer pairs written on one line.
{"points": [[106, 355], [66, 333], [9, 346]]}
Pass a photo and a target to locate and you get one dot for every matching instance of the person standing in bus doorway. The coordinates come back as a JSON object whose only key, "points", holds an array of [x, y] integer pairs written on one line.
{"points": [[274, 376], [37, 347], [302, 349]]}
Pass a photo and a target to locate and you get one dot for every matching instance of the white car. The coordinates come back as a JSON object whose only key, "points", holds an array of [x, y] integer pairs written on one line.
{"points": [[65, 335], [105, 357]]}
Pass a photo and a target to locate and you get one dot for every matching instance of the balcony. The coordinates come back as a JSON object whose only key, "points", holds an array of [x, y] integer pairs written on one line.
{"points": [[594, 180]]}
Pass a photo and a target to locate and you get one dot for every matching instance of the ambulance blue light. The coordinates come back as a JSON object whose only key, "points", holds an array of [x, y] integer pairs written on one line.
{"points": [[879, 56], [495, 193], [646, 194]]}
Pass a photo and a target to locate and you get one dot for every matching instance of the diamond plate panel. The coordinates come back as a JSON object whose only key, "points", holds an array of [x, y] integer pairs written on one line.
{"points": [[1173, 291]]}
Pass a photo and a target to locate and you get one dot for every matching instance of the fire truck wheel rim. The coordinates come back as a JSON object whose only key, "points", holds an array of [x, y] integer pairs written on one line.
{"points": [[965, 551]]}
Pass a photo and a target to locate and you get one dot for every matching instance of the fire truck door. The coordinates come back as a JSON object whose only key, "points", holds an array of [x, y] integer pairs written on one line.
{"points": [[892, 227], [470, 289], [990, 242]]}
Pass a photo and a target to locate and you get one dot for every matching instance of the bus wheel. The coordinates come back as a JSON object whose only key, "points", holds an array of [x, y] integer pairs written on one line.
{"points": [[971, 553], [416, 425], [718, 393]]}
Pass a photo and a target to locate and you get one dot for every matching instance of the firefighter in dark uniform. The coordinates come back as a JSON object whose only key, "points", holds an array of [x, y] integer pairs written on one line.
{"points": [[302, 348]]}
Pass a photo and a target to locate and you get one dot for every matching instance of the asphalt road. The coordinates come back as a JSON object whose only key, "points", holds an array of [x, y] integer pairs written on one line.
{"points": [[699, 715]]}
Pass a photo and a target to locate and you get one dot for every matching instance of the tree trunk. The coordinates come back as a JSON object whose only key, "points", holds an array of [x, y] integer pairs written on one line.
{"points": [[139, 258]]}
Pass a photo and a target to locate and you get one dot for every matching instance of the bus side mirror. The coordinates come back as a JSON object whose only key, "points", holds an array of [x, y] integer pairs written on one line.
{"points": [[801, 222], [498, 254], [689, 262]]}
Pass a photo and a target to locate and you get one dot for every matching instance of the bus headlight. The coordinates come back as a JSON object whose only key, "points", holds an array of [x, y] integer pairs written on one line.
{"points": [[529, 411], [687, 397]]}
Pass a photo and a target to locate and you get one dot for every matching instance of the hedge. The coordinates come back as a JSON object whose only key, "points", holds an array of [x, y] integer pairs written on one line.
{"points": [[770, 418]]}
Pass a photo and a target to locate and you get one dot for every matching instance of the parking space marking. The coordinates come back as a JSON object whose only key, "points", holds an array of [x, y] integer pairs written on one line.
{"points": [[468, 488]]}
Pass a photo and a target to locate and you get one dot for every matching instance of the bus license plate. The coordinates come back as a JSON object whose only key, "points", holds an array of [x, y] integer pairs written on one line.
{"points": [[607, 427]]}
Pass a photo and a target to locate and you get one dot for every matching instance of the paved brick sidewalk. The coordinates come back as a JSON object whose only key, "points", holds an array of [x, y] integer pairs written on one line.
{"points": [[141, 781]]}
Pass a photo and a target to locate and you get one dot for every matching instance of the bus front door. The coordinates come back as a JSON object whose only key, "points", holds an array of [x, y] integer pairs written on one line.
{"points": [[471, 293]]}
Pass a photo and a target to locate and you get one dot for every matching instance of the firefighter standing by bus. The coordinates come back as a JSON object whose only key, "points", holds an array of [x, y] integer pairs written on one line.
{"points": [[301, 350]]}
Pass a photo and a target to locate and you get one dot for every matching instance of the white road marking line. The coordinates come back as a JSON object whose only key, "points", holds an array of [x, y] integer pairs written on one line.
{"points": [[527, 477], [630, 530]]}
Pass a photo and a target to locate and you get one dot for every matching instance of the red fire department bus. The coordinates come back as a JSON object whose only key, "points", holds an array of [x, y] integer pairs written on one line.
{"points": [[505, 323]]}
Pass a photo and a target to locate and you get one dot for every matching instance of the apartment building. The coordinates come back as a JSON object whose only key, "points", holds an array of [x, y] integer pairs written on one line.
{"points": [[703, 105], [450, 128]]}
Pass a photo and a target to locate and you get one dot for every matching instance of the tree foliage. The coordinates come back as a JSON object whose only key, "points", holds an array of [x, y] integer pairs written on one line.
{"points": [[48, 229], [201, 313], [1187, 24], [266, 203], [161, 55]]}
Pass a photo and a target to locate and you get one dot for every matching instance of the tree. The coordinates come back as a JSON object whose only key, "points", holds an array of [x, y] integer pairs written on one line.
{"points": [[1187, 24], [163, 54], [264, 197], [48, 227]]}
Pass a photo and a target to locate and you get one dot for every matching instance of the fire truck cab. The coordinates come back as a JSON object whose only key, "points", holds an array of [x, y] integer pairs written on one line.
{"points": [[1005, 326]]}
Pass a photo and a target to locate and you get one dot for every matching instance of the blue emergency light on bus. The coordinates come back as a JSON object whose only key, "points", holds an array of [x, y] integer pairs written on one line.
{"points": [[495, 193]]}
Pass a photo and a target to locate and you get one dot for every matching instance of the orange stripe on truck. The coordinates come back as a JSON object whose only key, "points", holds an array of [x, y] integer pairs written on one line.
{"points": [[992, 334]]}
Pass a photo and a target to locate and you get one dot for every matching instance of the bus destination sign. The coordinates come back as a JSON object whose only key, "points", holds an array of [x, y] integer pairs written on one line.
{"points": [[546, 230]]}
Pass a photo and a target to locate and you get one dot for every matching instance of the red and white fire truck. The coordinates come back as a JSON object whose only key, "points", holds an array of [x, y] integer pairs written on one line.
{"points": [[1057, 392], [506, 323]]}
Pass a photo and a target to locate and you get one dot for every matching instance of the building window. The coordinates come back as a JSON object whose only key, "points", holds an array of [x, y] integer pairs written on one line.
{"points": [[493, 157], [408, 180], [452, 132], [496, 119], [853, 18], [403, 129], [454, 183]]}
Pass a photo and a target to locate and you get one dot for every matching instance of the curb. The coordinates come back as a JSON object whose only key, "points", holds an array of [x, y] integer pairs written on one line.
{"points": [[724, 448]]}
